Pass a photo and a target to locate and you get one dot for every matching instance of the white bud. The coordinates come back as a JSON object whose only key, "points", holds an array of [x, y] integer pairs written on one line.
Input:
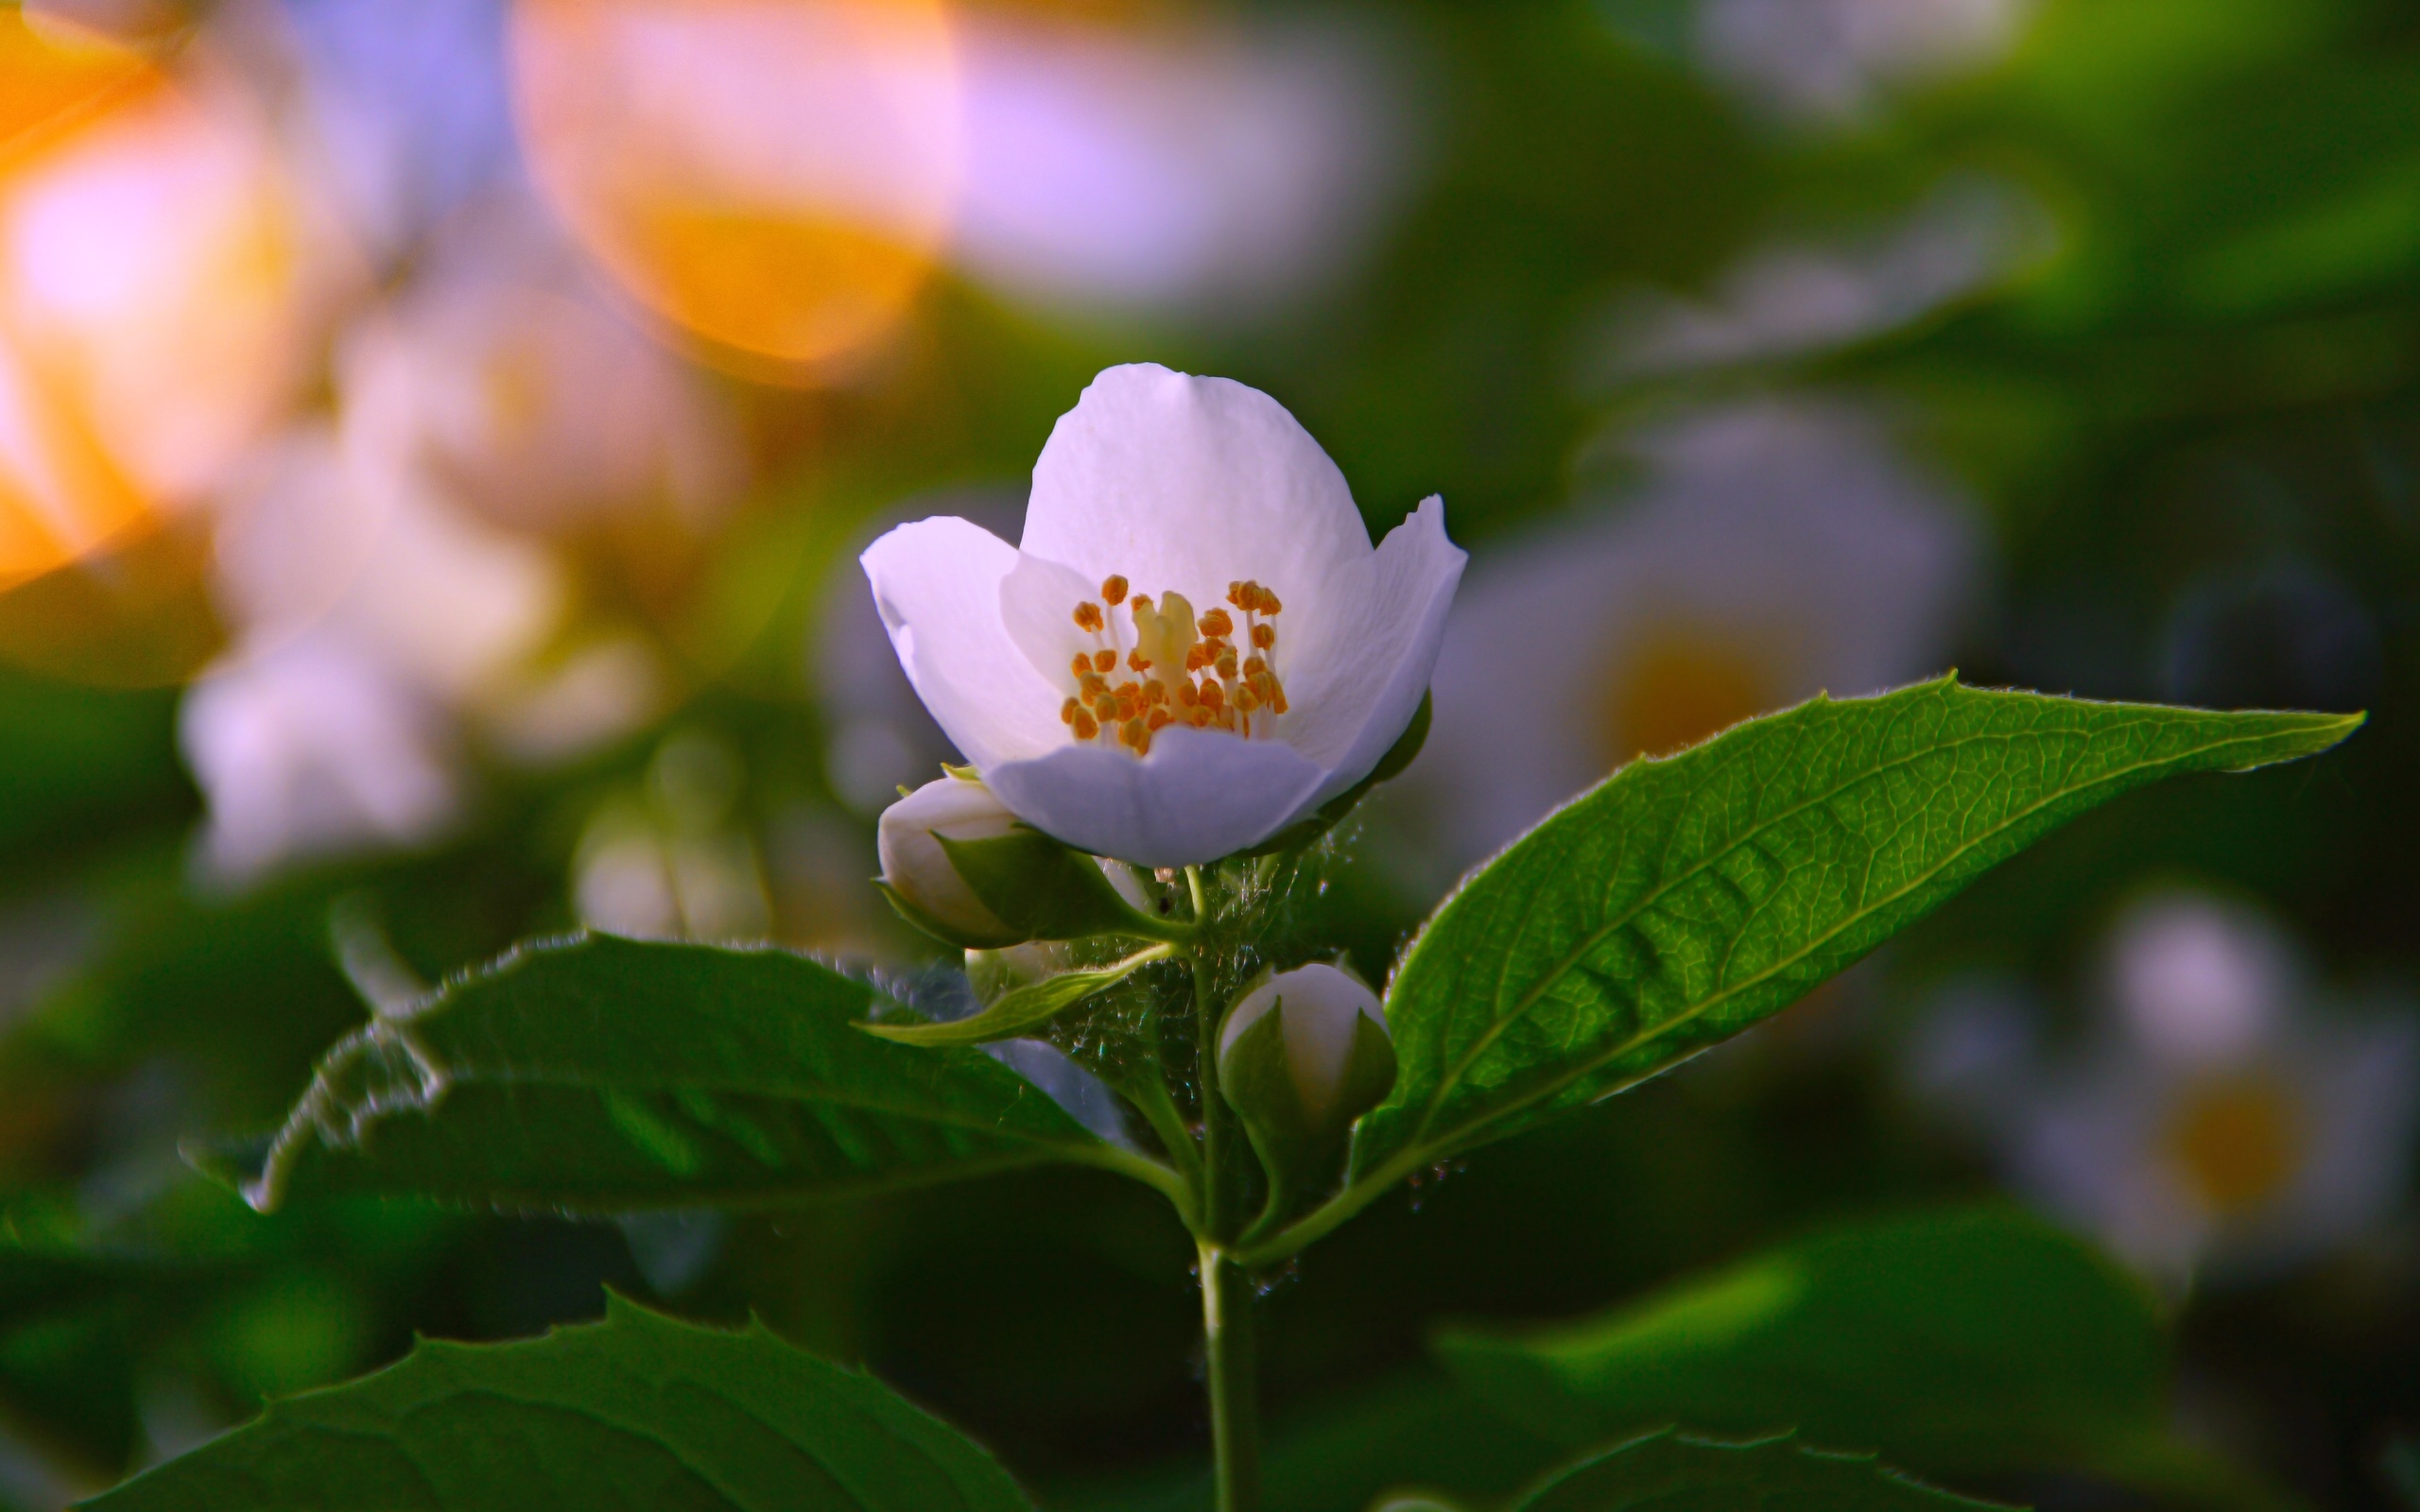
{"points": [[919, 870], [1319, 1008]]}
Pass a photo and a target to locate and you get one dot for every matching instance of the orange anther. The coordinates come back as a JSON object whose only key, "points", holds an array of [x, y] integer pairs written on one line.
{"points": [[1081, 664], [1088, 618], [1086, 727], [1068, 711], [1185, 696], [1138, 662], [1217, 623], [1113, 589], [1104, 708], [1268, 604], [1142, 604], [1212, 697], [1091, 685], [1264, 636], [1254, 666], [1104, 661], [1156, 718], [1133, 733], [1226, 663]]}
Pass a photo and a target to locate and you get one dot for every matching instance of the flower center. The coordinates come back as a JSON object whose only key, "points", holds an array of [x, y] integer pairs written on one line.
{"points": [[2239, 1142], [1163, 666]]}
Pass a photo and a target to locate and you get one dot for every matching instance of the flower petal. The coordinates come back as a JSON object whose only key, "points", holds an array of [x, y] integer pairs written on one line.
{"points": [[937, 584], [1188, 484], [1359, 661], [1199, 795], [1038, 599]]}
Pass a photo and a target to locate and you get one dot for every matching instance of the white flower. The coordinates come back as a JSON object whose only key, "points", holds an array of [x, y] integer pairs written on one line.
{"points": [[315, 748], [1830, 61], [1196, 731], [1319, 1008], [2221, 1121], [908, 837], [1776, 551]]}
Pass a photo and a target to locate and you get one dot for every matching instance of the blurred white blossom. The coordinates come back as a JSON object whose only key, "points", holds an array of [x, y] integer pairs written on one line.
{"points": [[1113, 168], [1776, 549], [2221, 1118], [1832, 60], [1795, 299]]}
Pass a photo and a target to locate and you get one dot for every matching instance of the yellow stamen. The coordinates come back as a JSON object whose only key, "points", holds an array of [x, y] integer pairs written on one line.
{"points": [[1185, 670]]}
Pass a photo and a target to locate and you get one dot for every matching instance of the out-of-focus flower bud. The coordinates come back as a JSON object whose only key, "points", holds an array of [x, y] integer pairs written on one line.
{"points": [[918, 873], [1305, 1054]]}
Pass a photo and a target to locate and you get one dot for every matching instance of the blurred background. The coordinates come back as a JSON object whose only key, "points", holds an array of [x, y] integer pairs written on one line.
{"points": [[436, 436]]}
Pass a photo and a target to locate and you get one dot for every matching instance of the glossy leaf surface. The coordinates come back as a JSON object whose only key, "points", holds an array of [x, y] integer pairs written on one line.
{"points": [[1689, 897]]}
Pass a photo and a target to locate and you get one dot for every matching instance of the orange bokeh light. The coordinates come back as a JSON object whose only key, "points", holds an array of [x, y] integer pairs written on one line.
{"points": [[773, 177], [153, 264]]}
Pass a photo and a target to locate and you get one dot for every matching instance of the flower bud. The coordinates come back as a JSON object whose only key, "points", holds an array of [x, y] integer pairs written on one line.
{"points": [[1303, 1054], [918, 872]]}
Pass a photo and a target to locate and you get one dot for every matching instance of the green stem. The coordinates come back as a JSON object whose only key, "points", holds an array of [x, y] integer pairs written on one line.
{"points": [[1226, 1291], [1234, 1410]]}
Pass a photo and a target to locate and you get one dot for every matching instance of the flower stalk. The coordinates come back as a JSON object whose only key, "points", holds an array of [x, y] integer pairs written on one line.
{"points": [[1230, 1371]]}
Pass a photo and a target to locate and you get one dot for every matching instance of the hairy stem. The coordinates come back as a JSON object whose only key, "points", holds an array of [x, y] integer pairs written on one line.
{"points": [[1226, 1292]]}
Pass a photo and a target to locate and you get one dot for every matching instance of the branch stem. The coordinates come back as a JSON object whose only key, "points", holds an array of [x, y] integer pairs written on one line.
{"points": [[1226, 1289], [1234, 1408]]}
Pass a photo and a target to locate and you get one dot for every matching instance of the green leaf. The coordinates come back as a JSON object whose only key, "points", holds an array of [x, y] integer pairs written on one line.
{"points": [[1673, 1472], [1022, 1009], [1686, 899], [1976, 1339], [602, 1074], [637, 1412]]}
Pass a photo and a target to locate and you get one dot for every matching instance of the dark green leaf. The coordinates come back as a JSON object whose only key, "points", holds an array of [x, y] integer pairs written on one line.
{"points": [[637, 1412], [597, 1075], [1686, 899], [1978, 1339], [1672, 1472]]}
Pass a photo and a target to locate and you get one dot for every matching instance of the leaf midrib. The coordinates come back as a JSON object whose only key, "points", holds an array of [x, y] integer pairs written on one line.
{"points": [[477, 1077]]}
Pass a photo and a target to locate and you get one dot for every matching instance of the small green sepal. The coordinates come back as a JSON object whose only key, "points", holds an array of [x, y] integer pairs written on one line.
{"points": [[947, 935], [1042, 890], [1301, 1152], [1023, 1009]]}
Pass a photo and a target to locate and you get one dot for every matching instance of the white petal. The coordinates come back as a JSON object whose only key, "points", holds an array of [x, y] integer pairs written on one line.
{"points": [[1188, 484], [1199, 795], [1358, 663], [937, 584], [1038, 603]]}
